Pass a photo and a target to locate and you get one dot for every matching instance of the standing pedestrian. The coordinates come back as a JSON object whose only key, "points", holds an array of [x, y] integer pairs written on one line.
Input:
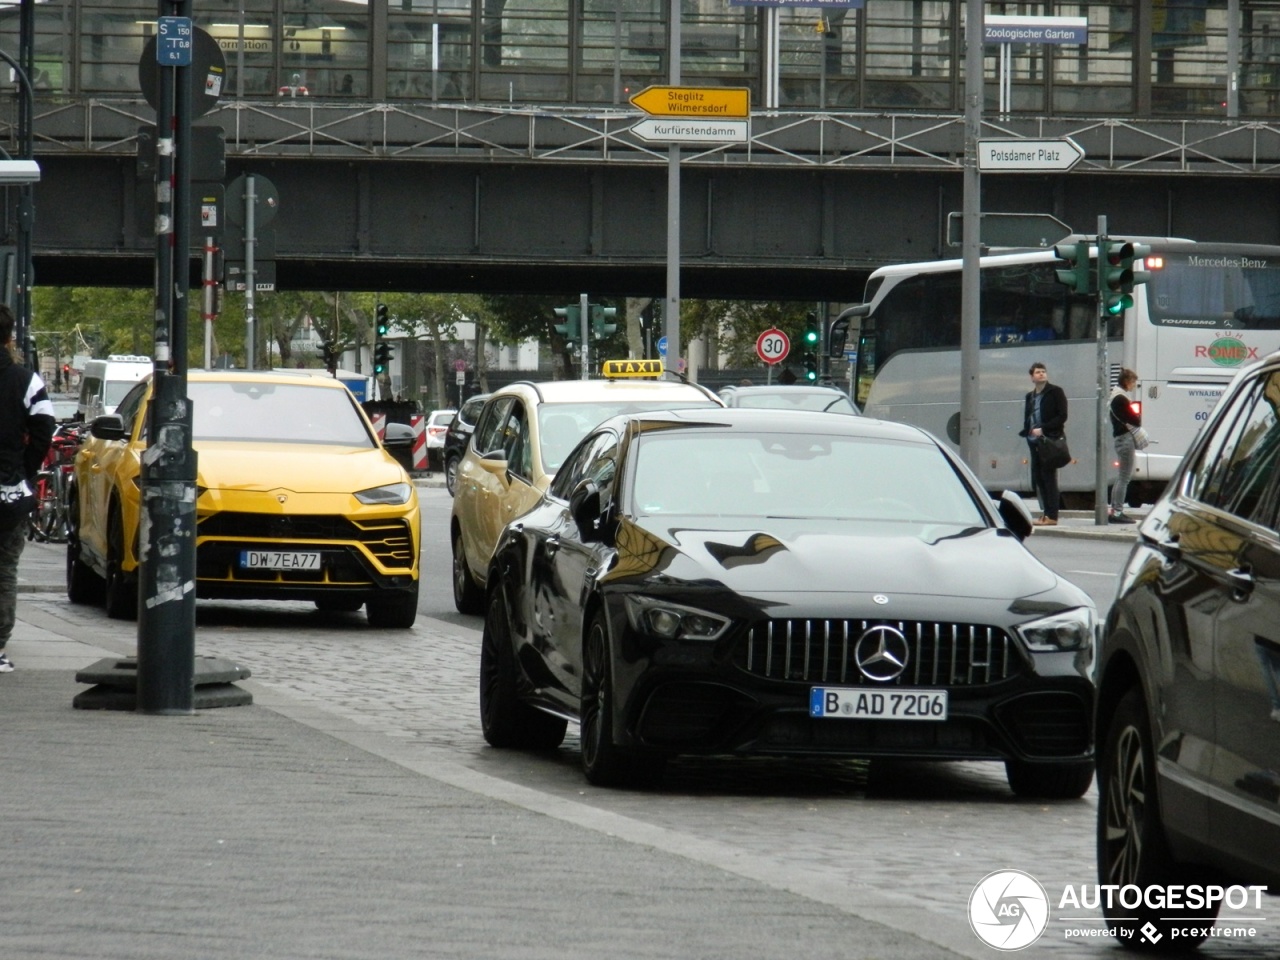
{"points": [[1124, 419], [1044, 414], [26, 429]]}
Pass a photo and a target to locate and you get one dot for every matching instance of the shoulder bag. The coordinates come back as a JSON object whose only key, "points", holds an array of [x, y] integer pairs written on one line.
{"points": [[1054, 452], [1141, 440]]}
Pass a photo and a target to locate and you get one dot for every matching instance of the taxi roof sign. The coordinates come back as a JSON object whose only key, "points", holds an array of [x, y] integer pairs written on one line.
{"points": [[618, 369]]}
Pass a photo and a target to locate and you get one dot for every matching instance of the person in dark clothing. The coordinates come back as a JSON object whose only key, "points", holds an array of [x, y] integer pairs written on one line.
{"points": [[1123, 420], [1044, 415], [26, 429]]}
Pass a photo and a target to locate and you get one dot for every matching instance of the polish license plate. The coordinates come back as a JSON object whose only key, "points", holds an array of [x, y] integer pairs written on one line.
{"points": [[852, 703], [278, 560]]}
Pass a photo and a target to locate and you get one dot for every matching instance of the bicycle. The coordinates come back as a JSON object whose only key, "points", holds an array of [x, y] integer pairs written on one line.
{"points": [[48, 522]]}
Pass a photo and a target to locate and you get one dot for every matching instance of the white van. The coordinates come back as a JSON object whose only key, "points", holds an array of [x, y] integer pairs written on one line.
{"points": [[103, 383]]}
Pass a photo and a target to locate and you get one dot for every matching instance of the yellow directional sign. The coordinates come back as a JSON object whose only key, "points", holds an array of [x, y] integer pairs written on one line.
{"points": [[632, 368], [694, 101]]}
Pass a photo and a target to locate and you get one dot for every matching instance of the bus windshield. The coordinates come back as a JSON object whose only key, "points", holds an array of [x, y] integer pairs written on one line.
{"points": [[1215, 291]]}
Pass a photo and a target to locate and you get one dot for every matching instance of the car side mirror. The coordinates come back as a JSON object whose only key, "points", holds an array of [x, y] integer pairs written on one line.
{"points": [[109, 426], [1013, 511], [584, 507], [399, 436]]}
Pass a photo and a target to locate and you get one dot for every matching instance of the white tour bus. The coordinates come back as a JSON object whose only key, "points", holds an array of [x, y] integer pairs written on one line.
{"points": [[1207, 309]]}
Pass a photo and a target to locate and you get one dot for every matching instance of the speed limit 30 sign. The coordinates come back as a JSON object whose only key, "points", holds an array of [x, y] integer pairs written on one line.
{"points": [[773, 345]]}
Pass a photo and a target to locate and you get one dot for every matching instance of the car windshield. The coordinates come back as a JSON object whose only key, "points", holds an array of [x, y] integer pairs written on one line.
{"points": [[274, 413], [828, 401], [113, 391], [804, 476], [562, 425]]}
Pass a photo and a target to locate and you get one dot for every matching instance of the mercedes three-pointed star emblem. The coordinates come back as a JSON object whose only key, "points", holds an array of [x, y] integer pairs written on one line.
{"points": [[882, 653]]}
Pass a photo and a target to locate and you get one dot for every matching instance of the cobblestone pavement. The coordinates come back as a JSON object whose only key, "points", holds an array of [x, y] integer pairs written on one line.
{"points": [[900, 843]]}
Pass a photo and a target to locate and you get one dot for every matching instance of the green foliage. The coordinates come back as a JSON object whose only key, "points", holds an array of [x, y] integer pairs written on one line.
{"points": [[735, 324]]}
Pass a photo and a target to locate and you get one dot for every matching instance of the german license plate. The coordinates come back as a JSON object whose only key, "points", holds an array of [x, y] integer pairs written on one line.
{"points": [[278, 560], [851, 703]]}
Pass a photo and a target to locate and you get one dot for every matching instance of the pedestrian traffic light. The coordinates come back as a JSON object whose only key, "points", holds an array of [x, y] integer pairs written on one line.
{"points": [[810, 361], [1072, 267], [382, 354], [384, 323], [570, 326], [601, 321]]}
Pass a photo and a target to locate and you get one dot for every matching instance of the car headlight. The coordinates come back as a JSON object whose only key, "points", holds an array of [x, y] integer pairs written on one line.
{"points": [[1068, 630], [674, 621], [391, 493]]}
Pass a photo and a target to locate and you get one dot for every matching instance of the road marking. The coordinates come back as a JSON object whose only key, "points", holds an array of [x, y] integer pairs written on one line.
{"points": [[1094, 573]]}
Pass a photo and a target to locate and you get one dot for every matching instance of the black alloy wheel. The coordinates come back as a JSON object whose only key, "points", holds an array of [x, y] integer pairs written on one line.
{"points": [[83, 585], [393, 609], [451, 475], [505, 720], [122, 590], [467, 595], [604, 762], [1132, 849]]}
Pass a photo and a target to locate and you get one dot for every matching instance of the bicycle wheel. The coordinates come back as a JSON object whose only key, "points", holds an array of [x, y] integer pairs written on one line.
{"points": [[42, 517]]}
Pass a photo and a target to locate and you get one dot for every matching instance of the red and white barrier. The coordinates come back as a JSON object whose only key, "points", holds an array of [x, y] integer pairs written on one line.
{"points": [[419, 424], [379, 424]]}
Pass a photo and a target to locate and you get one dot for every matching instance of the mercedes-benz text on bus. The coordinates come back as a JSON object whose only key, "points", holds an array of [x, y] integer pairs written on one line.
{"points": [[1206, 310]]}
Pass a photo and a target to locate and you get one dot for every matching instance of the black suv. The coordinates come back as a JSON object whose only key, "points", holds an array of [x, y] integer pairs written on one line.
{"points": [[1188, 720], [455, 440]]}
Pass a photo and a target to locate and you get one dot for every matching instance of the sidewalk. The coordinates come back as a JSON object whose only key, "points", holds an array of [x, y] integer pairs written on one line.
{"points": [[283, 830], [1082, 524]]}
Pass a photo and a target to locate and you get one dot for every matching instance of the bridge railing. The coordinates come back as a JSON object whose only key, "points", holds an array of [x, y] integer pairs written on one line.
{"points": [[423, 131]]}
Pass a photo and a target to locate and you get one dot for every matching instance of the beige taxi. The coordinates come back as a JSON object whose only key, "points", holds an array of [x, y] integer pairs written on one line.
{"points": [[524, 433]]}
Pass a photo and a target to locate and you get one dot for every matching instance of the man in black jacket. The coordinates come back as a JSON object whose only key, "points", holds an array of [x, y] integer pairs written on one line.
{"points": [[26, 429], [1044, 415]]}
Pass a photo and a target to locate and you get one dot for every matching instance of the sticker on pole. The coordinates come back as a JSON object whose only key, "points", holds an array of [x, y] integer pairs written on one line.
{"points": [[773, 345]]}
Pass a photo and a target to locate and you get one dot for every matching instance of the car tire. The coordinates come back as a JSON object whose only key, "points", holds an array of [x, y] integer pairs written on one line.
{"points": [[83, 585], [451, 474], [1049, 781], [393, 609], [504, 719], [339, 604], [1132, 848], [121, 590], [603, 761], [467, 595]]}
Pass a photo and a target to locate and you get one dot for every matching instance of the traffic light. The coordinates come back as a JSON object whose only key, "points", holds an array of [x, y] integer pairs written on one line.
{"points": [[382, 354], [329, 351], [571, 326], [811, 339], [810, 361], [812, 336], [1117, 278], [1072, 267], [384, 323], [601, 321]]}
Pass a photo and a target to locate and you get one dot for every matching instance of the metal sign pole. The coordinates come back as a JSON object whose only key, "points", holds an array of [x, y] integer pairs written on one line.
{"points": [[1101, 416], [971, 280], [672, 311], [250, 281], [166, 538]]}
